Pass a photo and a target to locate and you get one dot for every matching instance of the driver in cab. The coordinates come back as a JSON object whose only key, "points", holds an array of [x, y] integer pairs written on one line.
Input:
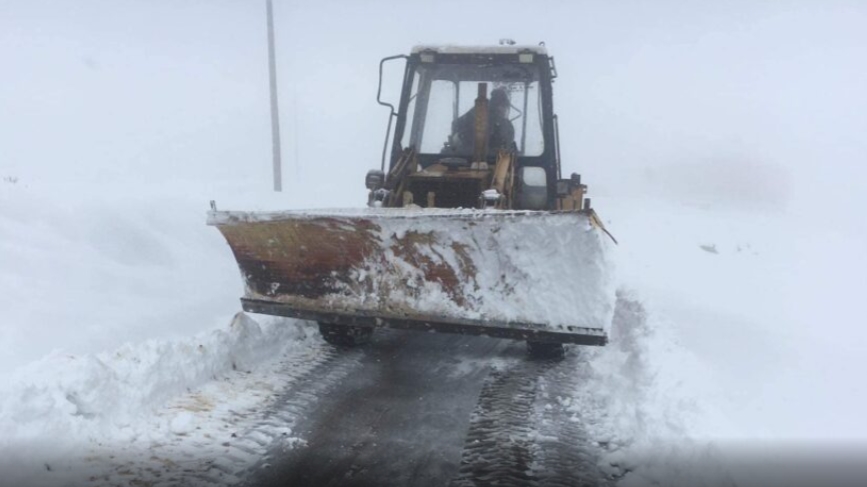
{"points": [[501, 132]]}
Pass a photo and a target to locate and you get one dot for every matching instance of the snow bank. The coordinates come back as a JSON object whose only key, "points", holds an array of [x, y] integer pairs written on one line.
{"points": [[85, 269], [57, 408], [116, 303], [770, 302], [733, 356], [644, 401]]}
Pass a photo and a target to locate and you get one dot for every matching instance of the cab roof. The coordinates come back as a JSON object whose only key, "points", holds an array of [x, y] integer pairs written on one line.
{"points": [[452, 49]]}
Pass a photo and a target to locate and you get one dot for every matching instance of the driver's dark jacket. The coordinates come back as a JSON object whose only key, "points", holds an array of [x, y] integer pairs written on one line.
{"points": [[501, 132]]}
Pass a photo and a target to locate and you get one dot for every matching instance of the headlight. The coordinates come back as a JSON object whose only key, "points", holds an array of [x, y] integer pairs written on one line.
{"points": [[374, 180]]}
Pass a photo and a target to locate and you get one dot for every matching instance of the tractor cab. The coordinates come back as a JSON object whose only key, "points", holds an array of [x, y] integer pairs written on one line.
{"points": [[464, 114]]}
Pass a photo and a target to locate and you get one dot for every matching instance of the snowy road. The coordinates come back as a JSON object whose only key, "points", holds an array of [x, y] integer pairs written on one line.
{"points": [[426, 409]]}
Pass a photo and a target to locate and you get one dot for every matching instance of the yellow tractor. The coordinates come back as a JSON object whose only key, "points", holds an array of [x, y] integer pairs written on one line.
{"points": [[471, 228]]}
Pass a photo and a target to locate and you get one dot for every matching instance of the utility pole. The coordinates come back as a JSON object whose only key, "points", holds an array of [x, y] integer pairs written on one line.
{"points": [[275, 115]]}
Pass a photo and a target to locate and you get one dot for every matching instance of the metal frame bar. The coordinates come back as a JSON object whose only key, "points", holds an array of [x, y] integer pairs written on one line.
{"points": [[515, 331], [393, 113]]}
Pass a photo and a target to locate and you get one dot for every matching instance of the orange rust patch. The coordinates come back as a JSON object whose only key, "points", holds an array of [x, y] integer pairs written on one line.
{"points": [[301, 257], [419, 250]]}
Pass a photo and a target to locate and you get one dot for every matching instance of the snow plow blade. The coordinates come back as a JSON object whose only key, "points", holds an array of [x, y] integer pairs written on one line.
{"points": [[530, 275]]}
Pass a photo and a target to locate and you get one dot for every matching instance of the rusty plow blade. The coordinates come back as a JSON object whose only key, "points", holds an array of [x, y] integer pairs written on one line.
{"points": [[541, 276]]}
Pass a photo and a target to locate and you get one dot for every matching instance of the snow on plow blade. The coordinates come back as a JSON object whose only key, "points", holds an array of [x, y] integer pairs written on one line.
{"points": [[541, 276]]}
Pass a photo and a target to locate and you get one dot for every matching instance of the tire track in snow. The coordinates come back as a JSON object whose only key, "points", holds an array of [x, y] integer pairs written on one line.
{"points": [[249, 433], [565, 455], [498, 447], [274, 429], [520, 435]]}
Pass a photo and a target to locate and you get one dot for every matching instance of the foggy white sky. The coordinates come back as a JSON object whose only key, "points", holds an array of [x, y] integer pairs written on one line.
{"points": [[761, 103]]}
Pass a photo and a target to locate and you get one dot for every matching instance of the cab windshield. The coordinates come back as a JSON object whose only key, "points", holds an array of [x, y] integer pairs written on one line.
{"points": [[442, 103]]}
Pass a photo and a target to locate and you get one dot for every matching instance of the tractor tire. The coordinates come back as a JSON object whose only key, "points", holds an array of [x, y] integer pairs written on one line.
{"points": [[345, 336], [545, 351]]}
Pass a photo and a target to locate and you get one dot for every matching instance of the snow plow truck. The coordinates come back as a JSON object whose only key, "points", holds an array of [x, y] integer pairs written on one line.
{"points": [[469, 225]]}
